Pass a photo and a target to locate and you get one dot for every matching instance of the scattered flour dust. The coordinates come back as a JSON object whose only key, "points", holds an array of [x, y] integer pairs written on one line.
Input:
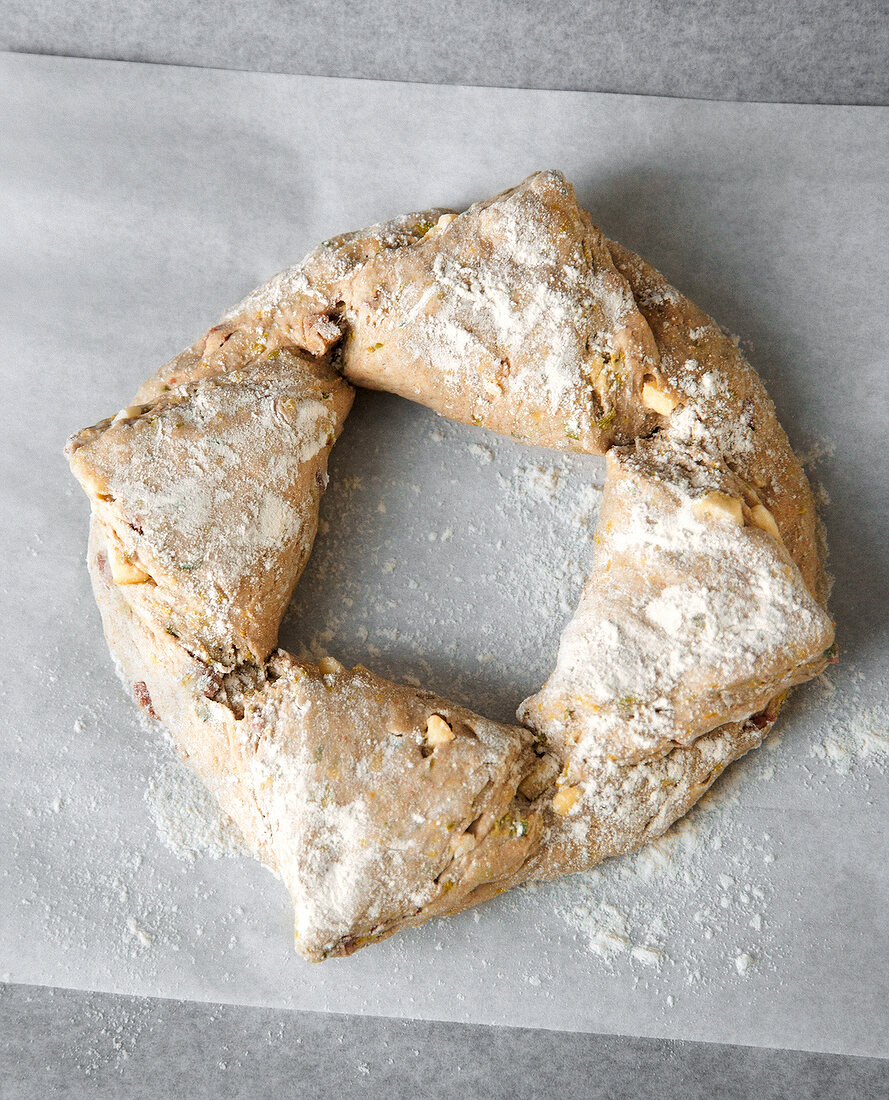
{"points": [[712, 870], [692, 907], [849, 729], [549, 497], [633, 913], [188, 818]]}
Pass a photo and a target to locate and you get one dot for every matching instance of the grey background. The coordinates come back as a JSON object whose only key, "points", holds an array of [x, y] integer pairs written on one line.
{"points": [[820, 51], [60, 1043], [106, 1046]]}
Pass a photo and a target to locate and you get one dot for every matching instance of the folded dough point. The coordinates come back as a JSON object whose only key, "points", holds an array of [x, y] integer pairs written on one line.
{"points": [[388, 803], [210, 498], [693, 616], [511, 315]]}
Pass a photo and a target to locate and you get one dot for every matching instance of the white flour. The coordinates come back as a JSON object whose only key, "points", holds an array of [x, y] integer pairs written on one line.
{"points": [[525, 298], [686, 906], [709, 874], [187, 817]]}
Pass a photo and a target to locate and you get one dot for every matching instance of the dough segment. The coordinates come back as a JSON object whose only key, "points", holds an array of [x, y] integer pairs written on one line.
{"points": [[210, 495], [381, 805], [688, 620], [511, 315]]}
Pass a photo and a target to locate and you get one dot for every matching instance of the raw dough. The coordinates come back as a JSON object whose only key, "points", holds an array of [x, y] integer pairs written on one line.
{"points": [[380, 805]]}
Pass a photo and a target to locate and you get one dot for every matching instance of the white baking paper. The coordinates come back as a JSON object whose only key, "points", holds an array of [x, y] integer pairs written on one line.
{"points": [[138, 203]]}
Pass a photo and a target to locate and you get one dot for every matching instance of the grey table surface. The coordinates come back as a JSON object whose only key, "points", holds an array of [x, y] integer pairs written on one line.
{"points": [[63, 1043], [801, 51]]}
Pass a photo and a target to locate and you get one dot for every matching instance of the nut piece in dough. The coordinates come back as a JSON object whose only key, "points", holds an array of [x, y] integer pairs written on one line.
{"points": [[539, 777], [658, 400], [438, 732], [565, 799], [123, 569], [129, 413], [463, 845], [762, 518], [719, 507]]}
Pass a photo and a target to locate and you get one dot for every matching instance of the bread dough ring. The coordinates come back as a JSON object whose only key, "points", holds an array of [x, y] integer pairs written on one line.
{"points": [[381, 805]]}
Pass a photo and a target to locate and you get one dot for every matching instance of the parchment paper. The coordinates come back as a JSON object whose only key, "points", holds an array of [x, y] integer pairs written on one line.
{"points": [[139, 202]]}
